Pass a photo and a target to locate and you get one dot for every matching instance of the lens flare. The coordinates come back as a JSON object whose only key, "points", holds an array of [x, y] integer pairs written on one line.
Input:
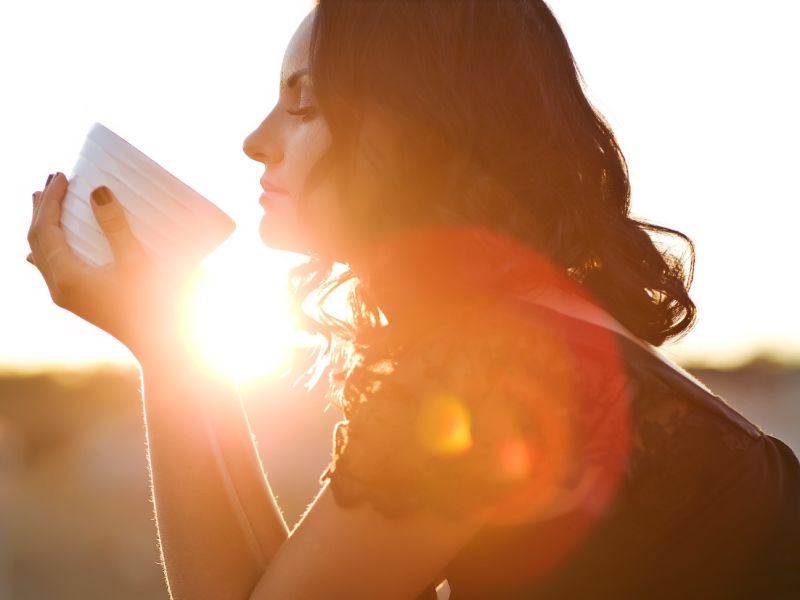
{"points": [[444, 425], [547, 430]]}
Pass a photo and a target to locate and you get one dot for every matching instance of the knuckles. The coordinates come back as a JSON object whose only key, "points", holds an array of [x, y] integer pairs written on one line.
{"points": [[114, 223]]}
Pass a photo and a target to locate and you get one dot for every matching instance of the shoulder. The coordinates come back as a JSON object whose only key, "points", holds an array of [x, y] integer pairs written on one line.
{"points": [[490, 410]]}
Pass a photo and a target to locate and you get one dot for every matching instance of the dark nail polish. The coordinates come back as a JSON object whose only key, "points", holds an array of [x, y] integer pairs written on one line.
{"points": [[101, 195], [49, 178]]}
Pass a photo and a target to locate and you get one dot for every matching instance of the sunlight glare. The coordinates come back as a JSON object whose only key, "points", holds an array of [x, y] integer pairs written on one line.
{"points": [[239, 322]]}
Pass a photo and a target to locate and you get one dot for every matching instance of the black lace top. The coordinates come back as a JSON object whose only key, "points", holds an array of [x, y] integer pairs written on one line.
{"points": [[604, 472]]}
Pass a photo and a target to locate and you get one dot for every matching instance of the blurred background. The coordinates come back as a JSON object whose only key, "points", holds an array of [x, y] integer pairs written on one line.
{"points": [[702, 96]]}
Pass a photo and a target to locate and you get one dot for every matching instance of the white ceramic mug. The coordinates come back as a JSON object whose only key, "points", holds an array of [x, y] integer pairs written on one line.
{"points": [[171, 220]]}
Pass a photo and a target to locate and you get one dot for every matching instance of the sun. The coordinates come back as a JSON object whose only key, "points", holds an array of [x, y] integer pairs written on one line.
{"points": [[239, 313]]}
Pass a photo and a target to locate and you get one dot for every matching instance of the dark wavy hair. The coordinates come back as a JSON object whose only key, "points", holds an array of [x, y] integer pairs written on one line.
{"points": [[474, 112]]}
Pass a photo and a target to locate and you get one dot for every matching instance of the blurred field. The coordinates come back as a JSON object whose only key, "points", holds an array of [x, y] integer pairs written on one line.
{"points": [[75, 517]]}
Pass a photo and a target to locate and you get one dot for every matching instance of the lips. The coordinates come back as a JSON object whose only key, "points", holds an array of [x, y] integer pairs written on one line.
{"points": [[269, 197], [271, 191], [269, 187]]}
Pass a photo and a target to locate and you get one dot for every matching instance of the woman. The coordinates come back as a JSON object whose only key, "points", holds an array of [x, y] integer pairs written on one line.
{"points": [[509, 427]]}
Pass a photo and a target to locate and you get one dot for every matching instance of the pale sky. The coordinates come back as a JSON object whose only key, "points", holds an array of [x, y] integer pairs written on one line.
{"points": [[703, 96]]}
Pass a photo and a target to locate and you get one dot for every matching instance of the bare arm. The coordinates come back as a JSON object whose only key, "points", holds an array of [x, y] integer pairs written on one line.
{"points": [[218, 522]]}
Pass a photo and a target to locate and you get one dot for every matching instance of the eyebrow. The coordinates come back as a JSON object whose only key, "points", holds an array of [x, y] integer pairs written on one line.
{"points": [[289, 82]]}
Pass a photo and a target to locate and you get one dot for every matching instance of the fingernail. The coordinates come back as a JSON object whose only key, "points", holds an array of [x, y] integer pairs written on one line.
{"points": [[49, 177], [29, 259], [101, 195], [33, 196]]}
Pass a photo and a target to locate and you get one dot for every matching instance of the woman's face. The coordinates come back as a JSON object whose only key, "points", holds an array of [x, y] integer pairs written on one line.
{"points": [[289, 141]]}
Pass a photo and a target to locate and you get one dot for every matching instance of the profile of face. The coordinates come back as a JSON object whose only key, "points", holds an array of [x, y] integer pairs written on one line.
{"points": [[289, 141]]}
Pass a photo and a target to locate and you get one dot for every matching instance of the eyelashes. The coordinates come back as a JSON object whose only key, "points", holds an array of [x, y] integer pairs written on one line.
{"points": [[305, 113]]}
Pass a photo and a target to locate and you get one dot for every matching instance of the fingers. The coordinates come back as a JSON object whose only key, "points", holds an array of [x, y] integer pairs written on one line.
{"points": [[111, 217], [46, 223], [50, 252], [47, 209], [45, 231], [34, 199], [37, 195]]}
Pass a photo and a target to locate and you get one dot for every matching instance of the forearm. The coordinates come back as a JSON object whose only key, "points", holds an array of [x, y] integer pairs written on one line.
{"points": [[218, 522]]}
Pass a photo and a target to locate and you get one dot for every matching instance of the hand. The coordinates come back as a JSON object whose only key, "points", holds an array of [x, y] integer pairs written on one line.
{"points": [[134, 298]]}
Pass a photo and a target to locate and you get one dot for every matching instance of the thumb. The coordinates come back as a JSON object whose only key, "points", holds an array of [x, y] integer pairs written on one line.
{"points": [[111, 217]]}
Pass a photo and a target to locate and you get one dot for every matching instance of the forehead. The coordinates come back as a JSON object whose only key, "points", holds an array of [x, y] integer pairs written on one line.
{"points": [[296, 55]]}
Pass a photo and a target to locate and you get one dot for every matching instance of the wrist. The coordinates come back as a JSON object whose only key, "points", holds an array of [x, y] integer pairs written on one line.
{"points": [[176, 358], [165, 349], [164, 331]]}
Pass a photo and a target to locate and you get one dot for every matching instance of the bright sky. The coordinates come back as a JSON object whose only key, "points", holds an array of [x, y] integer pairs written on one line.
{"points": [[702, 94]]}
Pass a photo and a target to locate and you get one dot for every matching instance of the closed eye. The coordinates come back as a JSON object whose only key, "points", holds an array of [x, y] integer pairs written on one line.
{"points": [[306, 113]]}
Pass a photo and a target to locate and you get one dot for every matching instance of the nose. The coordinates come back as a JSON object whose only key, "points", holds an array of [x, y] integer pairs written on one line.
{"points": [[261, 146]]}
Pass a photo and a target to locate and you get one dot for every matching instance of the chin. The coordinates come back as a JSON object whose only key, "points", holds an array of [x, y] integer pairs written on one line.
{"points": [[280, 236]]}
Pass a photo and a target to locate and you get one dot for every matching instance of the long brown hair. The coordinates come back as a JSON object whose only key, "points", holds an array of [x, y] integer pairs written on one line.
{"points": [[488, 125]]}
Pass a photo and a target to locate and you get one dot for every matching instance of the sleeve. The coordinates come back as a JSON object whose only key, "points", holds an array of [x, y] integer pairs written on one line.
{"points": [[712, 494], [484, 418]]}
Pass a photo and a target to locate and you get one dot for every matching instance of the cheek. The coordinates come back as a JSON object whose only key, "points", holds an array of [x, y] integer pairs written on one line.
{"points": [[303, 150], [324, 220]]}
